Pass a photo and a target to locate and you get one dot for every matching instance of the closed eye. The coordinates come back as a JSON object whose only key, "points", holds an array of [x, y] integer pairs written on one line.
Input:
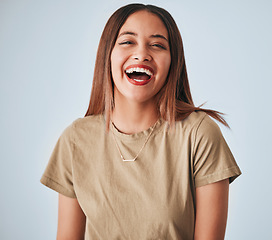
{"points": [[125, 43], [159, 46]]}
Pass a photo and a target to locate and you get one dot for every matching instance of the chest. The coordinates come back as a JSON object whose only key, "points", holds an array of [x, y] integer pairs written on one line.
{"points": [[153, 193]]}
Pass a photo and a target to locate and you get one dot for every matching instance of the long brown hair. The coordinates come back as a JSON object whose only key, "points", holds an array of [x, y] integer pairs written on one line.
{"points": [[174, 99]]}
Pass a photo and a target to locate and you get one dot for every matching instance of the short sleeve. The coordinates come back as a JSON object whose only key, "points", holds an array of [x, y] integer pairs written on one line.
{"points": [[213, 160], [58, 174]]}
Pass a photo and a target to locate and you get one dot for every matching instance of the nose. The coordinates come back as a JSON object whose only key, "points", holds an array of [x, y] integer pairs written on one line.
{"points": [[142, 54]]}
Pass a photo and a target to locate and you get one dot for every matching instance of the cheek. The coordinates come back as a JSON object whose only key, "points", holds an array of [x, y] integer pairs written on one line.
{"points": [[115, 67], [165, 64], [168, 60], [113, 59], [117, 57]]}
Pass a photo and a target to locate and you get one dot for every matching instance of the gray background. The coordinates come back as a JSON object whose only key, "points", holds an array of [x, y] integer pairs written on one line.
{"points": [[47, 54]]}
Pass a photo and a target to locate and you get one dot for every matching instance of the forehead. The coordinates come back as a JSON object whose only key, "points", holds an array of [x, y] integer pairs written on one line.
{"points": [[144, 22]]}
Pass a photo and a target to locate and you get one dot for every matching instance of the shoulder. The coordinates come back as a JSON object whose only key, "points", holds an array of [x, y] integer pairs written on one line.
{"points": [[84, 126], [199, 125], [87, 122], [198, 121]]}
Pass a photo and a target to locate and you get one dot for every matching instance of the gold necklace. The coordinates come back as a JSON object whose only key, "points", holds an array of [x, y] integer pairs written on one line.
{"points": [[133, 159]]}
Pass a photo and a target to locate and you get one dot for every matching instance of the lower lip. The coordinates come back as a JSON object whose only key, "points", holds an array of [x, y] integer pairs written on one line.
{"points": [[138, 83]]}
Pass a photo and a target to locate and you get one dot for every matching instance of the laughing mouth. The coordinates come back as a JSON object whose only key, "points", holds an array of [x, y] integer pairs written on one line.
{"points": [[139, 74]]}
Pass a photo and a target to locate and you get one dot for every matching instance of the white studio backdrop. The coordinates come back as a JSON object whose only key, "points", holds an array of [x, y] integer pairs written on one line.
{"points": [[47, 55]]}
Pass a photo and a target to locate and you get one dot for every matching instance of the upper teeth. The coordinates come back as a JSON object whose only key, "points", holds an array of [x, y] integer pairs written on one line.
{"points": [[142, 70]]}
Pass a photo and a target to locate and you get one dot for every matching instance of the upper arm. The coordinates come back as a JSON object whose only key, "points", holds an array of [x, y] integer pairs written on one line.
{"points": [[71, 219], [211, 211]]}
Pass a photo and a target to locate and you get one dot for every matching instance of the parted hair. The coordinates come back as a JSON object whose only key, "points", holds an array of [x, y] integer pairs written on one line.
{"points": [[174, 100]]}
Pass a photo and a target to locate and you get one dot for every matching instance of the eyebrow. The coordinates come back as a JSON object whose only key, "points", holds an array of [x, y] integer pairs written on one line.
{"points": [[135, 34], [159, 36]]}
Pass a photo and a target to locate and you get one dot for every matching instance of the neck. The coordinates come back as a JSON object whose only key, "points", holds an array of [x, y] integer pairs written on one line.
{"points": [[131, 118]]}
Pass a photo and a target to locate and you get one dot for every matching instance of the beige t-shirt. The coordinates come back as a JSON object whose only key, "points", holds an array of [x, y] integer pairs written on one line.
{"points": [[150, 198]]}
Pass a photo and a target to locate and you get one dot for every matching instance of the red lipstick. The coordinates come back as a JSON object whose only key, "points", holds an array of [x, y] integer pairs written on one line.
{"points": [[141, 68]]}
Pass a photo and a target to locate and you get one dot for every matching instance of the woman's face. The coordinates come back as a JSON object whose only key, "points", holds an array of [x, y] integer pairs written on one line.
{"points": [[140, 59]]}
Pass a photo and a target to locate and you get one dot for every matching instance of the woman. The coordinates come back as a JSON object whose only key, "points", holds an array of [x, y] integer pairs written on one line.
{"points": [[144, 162]]}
